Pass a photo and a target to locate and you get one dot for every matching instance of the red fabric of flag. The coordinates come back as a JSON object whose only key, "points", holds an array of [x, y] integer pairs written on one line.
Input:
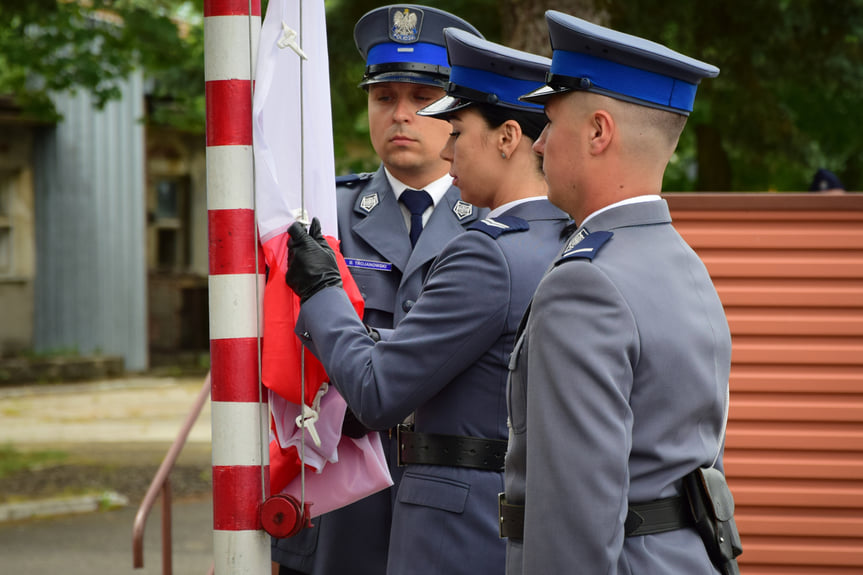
{"points": [[281, 348], [284, 465]]}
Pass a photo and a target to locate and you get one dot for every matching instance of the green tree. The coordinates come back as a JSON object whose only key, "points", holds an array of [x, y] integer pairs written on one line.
{"points": [[789, 96], [50, 46]]}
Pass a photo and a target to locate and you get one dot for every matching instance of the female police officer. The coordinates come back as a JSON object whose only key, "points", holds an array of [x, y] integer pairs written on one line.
{"points": [[446, 361]]}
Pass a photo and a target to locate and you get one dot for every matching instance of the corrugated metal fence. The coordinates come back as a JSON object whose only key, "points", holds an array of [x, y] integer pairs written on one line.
{"points": [[91, 283], [789, 270]]}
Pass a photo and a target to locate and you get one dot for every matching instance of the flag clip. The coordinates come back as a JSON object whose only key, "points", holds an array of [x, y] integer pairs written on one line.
{"points": [[289, 40], [307, 420], [301, 215], [311, 414]]}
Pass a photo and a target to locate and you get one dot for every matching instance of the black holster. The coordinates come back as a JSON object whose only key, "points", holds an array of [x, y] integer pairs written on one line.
{"points": [[713, 510]]}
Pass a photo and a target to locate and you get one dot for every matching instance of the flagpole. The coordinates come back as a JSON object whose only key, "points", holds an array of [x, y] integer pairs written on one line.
{"points": [[239, 404]]}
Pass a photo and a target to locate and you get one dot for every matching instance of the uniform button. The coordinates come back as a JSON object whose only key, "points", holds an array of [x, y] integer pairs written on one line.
{"points": [[408, 304]]}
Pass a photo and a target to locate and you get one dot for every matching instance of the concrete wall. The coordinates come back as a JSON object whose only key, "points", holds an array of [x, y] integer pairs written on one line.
{"points": [[18, 259]]}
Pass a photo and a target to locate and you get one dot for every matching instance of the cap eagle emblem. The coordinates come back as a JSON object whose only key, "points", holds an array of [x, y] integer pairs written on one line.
{"points": [[405, 26]]}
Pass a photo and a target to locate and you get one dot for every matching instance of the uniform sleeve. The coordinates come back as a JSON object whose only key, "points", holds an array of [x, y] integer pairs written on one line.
{"points": [[460, 313], [583, 345]]}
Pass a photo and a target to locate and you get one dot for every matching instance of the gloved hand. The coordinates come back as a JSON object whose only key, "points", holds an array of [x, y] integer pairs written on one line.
{"points": [[311, 261]]}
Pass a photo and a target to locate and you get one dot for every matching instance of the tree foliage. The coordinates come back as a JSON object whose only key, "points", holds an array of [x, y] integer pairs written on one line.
{"points": [[789, 98], [790, 92], [50, 46]]}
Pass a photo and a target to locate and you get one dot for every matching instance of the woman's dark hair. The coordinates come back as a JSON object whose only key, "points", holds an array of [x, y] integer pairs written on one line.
{"points": [[532, 123]]}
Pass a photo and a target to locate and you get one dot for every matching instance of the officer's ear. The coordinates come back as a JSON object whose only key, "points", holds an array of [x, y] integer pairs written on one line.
{"points": [[510, 137], [602, 131]]}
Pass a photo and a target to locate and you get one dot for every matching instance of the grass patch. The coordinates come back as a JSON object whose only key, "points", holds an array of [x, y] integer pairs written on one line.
{"points": [[12, 460]]}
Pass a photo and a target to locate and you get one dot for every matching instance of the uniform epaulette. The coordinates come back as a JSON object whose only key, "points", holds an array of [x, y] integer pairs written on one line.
{"points": [[584, 246], [495, 227], [351, 180]]}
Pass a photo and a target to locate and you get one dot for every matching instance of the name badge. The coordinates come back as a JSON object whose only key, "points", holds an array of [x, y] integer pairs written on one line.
{"points": [[369, 265]]}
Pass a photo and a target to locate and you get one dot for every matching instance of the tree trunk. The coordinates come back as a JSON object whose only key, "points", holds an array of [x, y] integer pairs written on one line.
{"points": [[852, 172], [523, 21], [714, 167]]}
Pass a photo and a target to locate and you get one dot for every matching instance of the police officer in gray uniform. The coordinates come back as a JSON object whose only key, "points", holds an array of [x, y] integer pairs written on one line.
{"points": [[406, 68], [446, 361], [618, 393]]}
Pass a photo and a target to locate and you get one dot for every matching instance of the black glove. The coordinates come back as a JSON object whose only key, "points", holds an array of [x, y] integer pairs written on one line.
{"points": [[311, 261]]}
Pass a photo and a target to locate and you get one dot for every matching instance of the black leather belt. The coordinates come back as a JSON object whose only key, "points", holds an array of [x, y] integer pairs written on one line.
{"points": [[450, 450], [658, 516], [642, 519]]}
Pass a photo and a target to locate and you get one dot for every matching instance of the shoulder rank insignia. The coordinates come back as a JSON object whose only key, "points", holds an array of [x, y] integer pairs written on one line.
{"points": [[495, 227], [369, 202], [584, 245], [462, 209]]}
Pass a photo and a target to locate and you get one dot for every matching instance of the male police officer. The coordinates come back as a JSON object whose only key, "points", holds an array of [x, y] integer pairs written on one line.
{"points": [[392, 224], [619, 381]]}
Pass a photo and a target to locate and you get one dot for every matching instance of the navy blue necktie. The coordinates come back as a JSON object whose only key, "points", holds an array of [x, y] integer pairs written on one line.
{"points": [[417, 201]]}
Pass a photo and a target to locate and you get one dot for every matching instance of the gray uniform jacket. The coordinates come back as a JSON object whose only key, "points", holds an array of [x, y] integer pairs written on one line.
{"points": [[447, 363], [618, 389], [375, 240], [353, 540]]}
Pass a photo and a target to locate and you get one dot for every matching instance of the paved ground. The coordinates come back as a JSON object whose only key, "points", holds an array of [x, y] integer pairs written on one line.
{"points": [[115, 433], [141, 410], [100, 543]]}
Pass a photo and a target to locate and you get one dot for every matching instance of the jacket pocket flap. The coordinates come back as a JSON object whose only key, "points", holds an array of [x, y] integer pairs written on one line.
{"points": [[436, 492], [376, 287]]}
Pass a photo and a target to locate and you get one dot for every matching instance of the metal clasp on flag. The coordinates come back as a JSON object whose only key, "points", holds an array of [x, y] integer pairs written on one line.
{"points": [[311, 414], [289, 40]]}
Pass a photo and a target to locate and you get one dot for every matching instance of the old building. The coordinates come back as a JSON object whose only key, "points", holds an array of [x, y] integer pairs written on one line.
{"points": [[103, 234]]}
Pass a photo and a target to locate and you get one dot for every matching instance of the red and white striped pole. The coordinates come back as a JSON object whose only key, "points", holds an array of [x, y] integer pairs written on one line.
{"points": [[240, 414]]}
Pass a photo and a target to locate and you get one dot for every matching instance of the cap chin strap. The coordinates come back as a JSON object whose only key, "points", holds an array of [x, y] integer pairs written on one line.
{"points": [[465, 93], [419, 67], [563, 84]]}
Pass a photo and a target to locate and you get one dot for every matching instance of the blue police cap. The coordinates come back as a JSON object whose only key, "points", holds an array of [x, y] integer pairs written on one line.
{"points": [[592, 58], [405, 43], [825, 180], [486, 72]]}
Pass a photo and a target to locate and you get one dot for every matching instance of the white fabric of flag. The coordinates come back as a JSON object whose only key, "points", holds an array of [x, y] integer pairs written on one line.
{"points": [[292, 120], [295, 180]]}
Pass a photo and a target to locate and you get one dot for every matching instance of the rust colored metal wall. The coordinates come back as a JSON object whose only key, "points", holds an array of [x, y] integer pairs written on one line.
{"points": [[789, 271]]}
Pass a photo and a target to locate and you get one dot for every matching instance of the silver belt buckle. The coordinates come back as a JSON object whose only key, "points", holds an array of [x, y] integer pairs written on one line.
{"points": [[501, 499], [401, 427]]}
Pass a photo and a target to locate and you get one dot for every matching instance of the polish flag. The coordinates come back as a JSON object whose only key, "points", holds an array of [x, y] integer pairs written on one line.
{"points": [[295, 180]]}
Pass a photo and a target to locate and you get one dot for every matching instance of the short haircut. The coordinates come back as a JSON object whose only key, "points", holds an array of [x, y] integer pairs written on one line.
{"points": [[667, 124]]}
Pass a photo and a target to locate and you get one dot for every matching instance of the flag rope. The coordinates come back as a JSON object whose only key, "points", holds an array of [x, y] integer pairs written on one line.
{"points": [[264, 441]]}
